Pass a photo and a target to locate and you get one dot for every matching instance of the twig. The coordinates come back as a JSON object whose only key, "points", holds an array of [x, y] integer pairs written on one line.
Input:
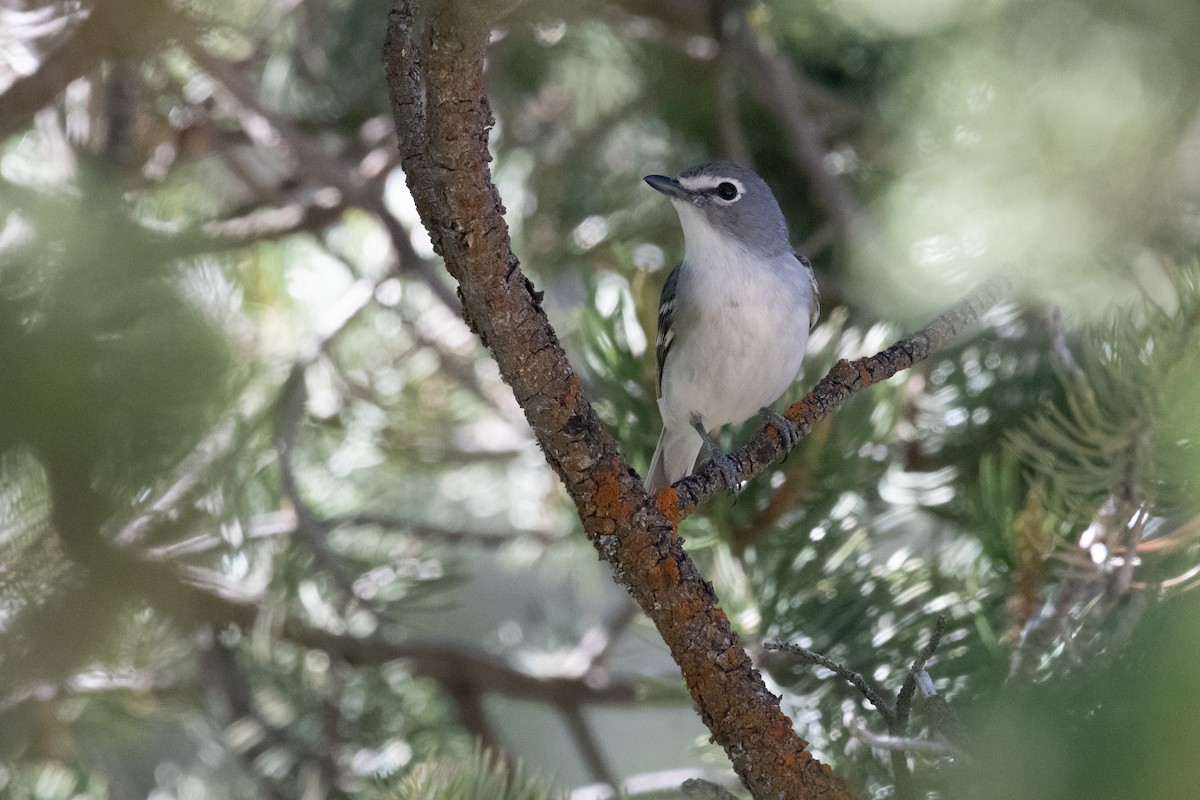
{"points": [[700, 789], [309, 527], [899, 725], [860, 731], [214, 450], [473, 717], [734, 143], [842, 671], [217, 446], [783, 95], [587, 745], [325, 169], [443, 661], [289, 409], [93, 682], [817, 241], [895, 716], [596, 643], [283, 523], [1133, 512], [77, 53], [434, 533], [262, 225], [904, 698], [492, 393], [1109, 525], [225, 675]]}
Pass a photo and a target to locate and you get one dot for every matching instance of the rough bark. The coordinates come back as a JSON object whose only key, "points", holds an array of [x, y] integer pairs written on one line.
{"points": [[443, 118]]}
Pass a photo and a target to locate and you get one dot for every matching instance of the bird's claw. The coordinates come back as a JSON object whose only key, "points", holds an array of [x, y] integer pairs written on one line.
{"points": [[725, 463], [729, 471], [783, 425]]}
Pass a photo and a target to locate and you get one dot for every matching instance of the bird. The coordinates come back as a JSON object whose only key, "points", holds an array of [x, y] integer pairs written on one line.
{"points": [[733, 319]]}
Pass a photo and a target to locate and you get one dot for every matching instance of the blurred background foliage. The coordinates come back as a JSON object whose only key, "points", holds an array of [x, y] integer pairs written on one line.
{"points": [[271, 525]]}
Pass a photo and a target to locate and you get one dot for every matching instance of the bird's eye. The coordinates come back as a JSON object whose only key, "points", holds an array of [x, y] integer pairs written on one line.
{"points": [[727, 191]]}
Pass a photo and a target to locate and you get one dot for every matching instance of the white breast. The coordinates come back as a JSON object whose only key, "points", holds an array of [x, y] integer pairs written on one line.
{"points": [[741, 326]]}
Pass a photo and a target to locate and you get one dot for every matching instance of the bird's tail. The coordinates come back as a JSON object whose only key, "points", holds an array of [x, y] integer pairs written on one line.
{"points": [[674, 457]]}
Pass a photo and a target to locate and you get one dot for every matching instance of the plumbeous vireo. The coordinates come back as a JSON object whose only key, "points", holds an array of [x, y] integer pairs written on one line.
{"points": [[733, 320]]}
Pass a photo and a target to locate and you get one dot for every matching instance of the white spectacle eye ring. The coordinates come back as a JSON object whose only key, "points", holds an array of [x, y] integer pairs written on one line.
{"points": [[715, 187]]}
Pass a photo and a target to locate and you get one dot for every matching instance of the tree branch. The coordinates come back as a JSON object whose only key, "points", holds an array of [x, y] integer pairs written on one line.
{"points": [[842, 671], [443, 120], [897, 744], [909, 687], [79, 52], [587, 745], [895, 716], [898, 725], [323, 168], [289, 409], [782, 94], [845, 379]]}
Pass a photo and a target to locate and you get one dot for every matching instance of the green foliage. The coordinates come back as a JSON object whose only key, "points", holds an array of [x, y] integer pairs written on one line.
{"points": [[1120, 729], [480, 776], [1123, 422], [54, 782], [972, 137], [90, 295]]}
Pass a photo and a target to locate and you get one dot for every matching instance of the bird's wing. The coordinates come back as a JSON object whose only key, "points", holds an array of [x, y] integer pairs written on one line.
{"points": [[814, 303], [666, 313]]}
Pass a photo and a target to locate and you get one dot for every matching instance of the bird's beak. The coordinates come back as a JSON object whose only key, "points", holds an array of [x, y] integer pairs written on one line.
{"points": [[668, 186]]}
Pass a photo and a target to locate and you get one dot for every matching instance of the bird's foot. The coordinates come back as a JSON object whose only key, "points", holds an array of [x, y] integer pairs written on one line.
{"points": [[729, 470], [725, 463], [783, 425]]}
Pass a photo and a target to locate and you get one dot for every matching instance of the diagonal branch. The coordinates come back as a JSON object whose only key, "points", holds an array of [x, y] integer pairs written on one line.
{"points": [[588, 745], [845, 379], [900, 744], [443, 119], [103, 31], [851, 677]]}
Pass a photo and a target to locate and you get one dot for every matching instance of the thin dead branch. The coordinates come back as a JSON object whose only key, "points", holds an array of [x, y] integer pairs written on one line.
{"points": [[895, 715], [873, 695], [901, 744]]}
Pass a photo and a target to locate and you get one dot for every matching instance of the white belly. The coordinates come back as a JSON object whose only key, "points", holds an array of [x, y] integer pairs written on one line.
{"points": [[741, 351]]}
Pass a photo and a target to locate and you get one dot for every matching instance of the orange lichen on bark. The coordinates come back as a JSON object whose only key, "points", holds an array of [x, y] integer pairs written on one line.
{"points": [[780, 727], [667, 499], [611, 500], [687, 608]]}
